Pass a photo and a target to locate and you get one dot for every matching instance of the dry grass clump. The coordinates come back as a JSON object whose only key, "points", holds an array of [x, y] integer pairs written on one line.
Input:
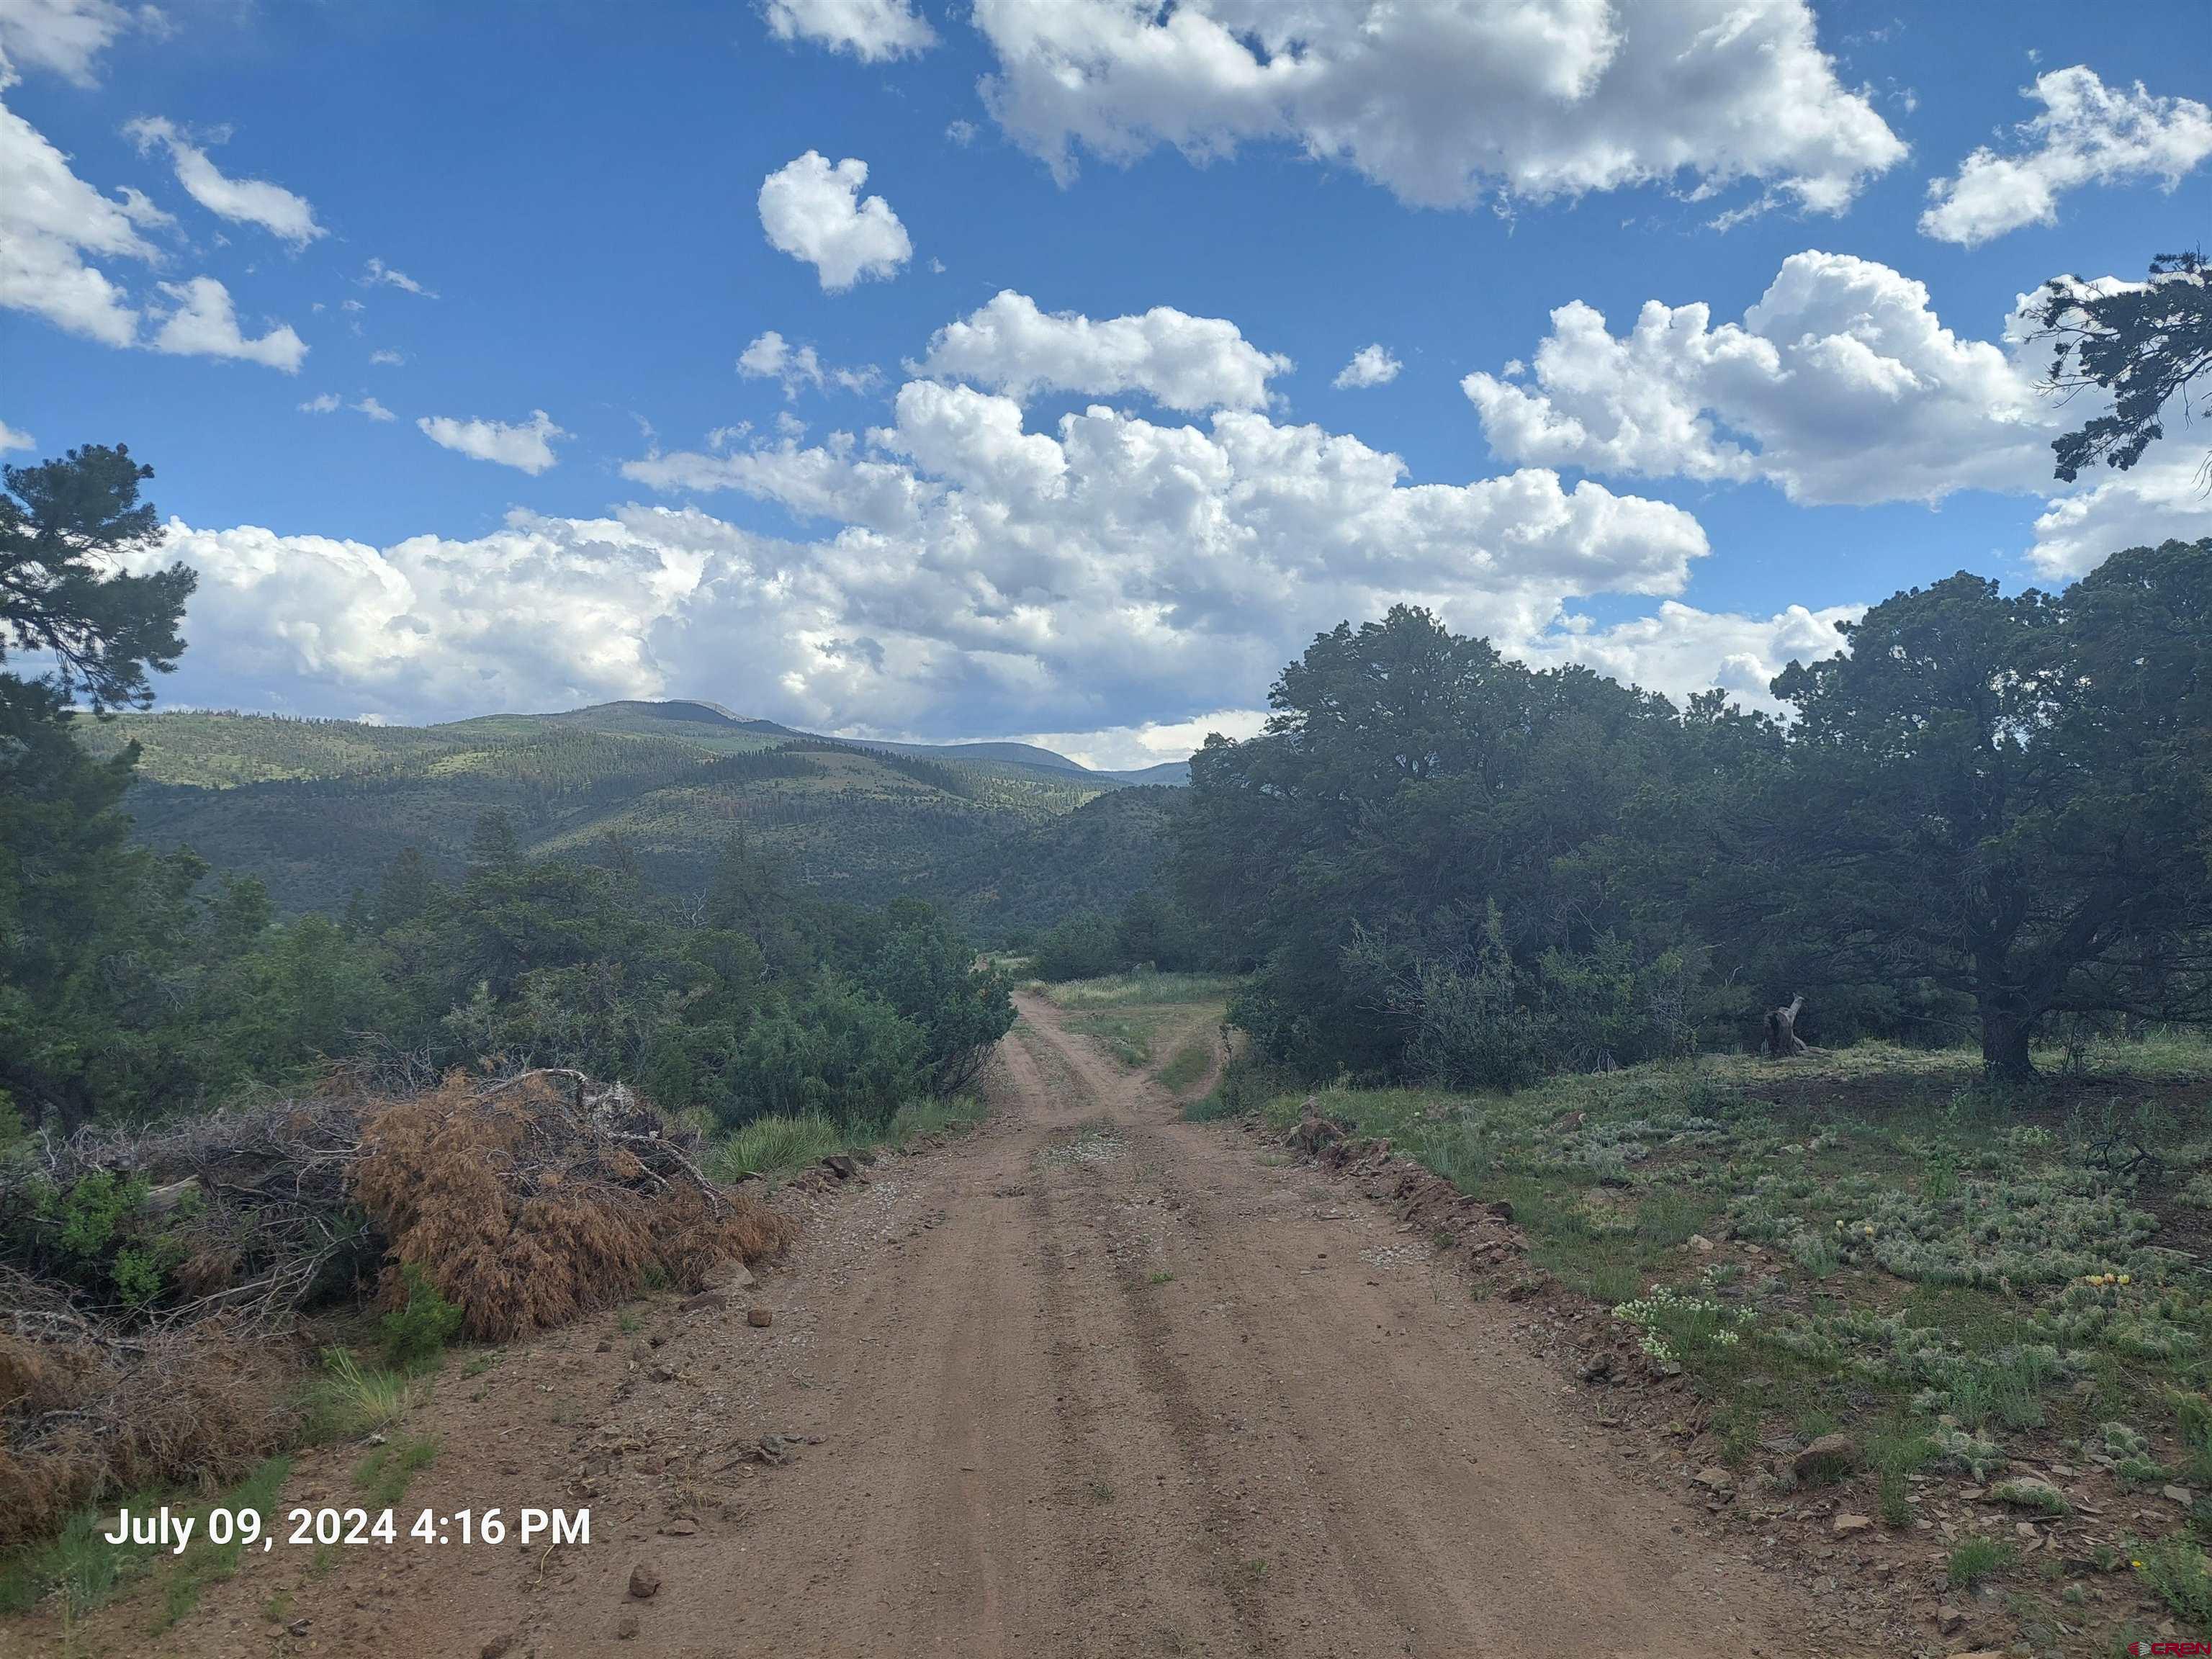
{"points": [[193, 1406], [531, 1202]]}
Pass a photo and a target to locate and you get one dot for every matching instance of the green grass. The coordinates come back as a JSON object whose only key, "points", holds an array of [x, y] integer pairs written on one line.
{"points": [[84, 1569], [774, 1148], [382, 1477], [2194, 1412], [1186, 1066], [207, 1563], [1897, 1452], [1126, 1036], [1127, 990], [349, 1400], [1950, 1274], [1209, 1108], [78, 1563], [1979, 1558], [777, 1148], [934, 1117]]}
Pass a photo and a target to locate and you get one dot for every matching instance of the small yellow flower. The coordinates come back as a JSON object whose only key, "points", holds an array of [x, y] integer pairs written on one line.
{"points": [[1868, 1232], [2123, 1278]]}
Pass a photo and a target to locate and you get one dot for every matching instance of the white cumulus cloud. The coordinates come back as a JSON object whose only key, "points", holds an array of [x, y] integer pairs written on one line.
{"points": [[1371, 365], [1840, 385], [1443, 103], [243, 201], [953, 572], [12, 439], [203, 322], [814, 211], [526, 446], [1179, 361], [539, 614], [2088, 134], [65, 37], [2163, 497], [52, 226], [1680, 650], [872, 30], [1112, 567], [52, 223]]}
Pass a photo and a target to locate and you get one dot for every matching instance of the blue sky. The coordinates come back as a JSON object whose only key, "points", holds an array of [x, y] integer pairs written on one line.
{"points": [[1107, 534]]}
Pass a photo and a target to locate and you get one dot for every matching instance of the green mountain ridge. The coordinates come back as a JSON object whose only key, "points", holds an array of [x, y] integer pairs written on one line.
{"points": [[1008, 837]]}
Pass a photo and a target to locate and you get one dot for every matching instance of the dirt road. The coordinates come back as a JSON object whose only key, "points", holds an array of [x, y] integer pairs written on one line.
{"points": [[1091, 1382]]}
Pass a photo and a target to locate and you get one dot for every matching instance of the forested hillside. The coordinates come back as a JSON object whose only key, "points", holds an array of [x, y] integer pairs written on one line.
{"points": [[317, 809]]}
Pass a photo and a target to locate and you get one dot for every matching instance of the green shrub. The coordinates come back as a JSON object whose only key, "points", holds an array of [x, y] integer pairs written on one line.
{"points": [[91, 1212], [843, 1051], [417, 1331], [2178, 1569]]}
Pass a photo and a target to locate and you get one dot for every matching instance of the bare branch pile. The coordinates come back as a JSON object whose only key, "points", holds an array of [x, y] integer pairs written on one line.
{"points": [[158, 1289]]}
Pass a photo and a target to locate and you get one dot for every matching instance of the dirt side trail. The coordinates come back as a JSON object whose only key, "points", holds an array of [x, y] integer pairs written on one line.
{"points": [[1093, 1381]]}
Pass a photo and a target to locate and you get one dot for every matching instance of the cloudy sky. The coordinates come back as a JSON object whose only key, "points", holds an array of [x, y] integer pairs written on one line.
{"points": [[907, 369]]}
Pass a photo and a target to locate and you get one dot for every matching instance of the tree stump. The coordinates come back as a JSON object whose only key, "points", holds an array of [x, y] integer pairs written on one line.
{"points": [[1783, 1041]]}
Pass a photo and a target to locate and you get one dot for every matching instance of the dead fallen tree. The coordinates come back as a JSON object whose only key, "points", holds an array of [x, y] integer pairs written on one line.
{"points": [[160, 1289], [535, 1200]]}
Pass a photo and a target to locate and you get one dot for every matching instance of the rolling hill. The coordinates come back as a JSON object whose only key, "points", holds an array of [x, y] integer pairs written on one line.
{"points": [[1008, 836]]}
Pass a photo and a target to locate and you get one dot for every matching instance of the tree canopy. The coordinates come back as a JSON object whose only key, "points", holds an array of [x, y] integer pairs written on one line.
{"points": [[65, 529], [2005, 795], [2146, 344], [1987, 810]]}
